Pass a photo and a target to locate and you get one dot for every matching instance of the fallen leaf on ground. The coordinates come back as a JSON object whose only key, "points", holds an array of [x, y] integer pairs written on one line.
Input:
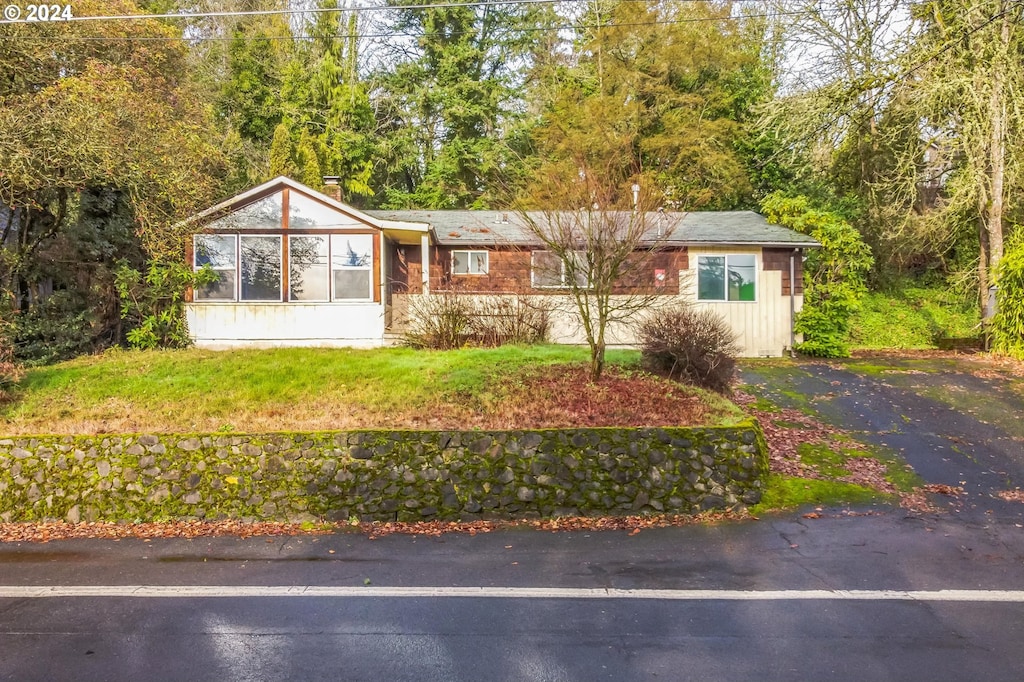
{"points": [[943, 489], [1011, 495]]}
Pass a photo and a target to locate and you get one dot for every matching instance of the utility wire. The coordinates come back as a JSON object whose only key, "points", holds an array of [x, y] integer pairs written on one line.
{"points": [[317, 10], [393, 34]]}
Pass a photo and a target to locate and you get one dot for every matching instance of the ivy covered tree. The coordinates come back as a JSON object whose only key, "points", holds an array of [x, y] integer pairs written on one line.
{"points": [[450, 110], [327, 124], [679, 80]]}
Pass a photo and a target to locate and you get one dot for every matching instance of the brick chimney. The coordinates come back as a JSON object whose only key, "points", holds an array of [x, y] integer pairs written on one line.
{"points": [[332, 187]]}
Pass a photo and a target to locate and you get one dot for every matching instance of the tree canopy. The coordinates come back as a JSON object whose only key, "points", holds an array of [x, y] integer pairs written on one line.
{"points": [[904, 121]]}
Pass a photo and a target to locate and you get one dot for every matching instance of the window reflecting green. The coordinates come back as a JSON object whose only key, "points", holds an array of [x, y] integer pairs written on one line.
{"points": [[711, 278], [218, 252], [742, 274]]}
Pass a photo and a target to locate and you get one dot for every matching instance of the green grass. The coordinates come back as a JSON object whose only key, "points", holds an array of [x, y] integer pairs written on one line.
{"points": [[281, 389], [788, 492], [829, 460], [912, 317]]}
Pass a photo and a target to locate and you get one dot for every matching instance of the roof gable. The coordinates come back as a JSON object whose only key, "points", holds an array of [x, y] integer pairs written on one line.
{"points": [[262, 207]]}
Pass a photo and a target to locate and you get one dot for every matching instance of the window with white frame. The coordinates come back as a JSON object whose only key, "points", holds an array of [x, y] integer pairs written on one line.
{"points": [[469, 262], [351, 263], [729, 277], [260, 267], [549, 271]]}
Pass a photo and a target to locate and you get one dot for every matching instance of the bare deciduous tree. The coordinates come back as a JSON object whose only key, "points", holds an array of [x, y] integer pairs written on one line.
{"points": [[600, 228]]}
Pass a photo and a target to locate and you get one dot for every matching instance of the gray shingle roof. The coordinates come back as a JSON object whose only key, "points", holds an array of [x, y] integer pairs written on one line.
{"points": [[491, 228]]}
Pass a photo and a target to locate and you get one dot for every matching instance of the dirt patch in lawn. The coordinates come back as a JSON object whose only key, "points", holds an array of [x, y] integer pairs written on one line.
{"points": [[562, 396]]}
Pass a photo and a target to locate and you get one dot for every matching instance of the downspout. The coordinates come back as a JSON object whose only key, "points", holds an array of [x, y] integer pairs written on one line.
{"points": [[792, 301]]}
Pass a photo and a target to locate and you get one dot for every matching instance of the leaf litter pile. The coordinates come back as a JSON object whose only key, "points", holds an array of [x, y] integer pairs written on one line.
{"points": [[62, 530], [562, 396]]}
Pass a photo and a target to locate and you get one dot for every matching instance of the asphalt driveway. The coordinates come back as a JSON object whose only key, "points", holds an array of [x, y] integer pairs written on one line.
{"points": [[958, 421]]}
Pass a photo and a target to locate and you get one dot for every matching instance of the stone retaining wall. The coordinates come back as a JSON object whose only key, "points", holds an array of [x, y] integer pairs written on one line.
{"points": [[405, 475]]}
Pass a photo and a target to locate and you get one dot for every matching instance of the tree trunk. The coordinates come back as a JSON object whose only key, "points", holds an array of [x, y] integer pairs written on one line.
{"points": [[596, 361], [983, 234], [997, 149]]}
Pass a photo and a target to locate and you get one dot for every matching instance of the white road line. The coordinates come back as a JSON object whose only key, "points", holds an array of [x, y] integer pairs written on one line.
{"points": [[251, 591]]}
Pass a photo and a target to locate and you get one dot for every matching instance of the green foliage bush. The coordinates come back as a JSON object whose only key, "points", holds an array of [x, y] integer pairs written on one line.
{"points": [[835, 275], [153, 303], [58, 328], [695, 346], [1008, 323], [11, 371]]}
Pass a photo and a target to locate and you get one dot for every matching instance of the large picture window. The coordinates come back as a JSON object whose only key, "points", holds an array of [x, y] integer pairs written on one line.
{"points": [[549, 271], [727, 278], [469, 262], [260, 267], [309, 275]]}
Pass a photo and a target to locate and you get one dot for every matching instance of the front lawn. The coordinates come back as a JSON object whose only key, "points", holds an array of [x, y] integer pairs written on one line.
{"points": [[297, 389]]}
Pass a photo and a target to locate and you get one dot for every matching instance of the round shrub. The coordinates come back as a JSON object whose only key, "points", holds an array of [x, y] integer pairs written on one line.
{"points": [[694, 346]]}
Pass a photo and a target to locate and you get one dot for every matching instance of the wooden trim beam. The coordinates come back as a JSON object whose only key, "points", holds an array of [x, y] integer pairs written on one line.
{"points": [[425, 263]]}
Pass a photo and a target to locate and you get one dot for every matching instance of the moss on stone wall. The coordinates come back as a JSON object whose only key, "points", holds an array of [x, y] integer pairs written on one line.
{"points": [[404, 475]]}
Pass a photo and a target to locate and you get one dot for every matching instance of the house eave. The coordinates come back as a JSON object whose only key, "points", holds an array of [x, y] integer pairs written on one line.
{"points": [[769, 245]]}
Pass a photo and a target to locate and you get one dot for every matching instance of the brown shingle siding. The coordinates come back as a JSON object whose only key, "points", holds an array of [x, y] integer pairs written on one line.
{"points": [[778, 259], [509, 272]]}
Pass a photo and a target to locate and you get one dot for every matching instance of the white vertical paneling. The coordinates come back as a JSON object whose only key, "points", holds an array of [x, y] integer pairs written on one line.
{"points": [[239, 324], [763, 326]]}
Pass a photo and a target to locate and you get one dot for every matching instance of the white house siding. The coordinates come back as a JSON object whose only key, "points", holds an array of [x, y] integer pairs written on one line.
{"points": [[233, 325], [763, 326]]}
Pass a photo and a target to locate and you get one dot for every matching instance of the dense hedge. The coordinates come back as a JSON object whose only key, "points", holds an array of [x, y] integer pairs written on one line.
{"points": [[402, 475]]}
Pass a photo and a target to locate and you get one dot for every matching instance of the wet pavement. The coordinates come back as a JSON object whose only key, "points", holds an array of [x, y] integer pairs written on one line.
{"points": [[554, 637], [956, 422]]}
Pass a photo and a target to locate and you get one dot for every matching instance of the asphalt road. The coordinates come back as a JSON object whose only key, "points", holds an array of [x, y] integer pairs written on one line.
{"points": [[734, 624]]}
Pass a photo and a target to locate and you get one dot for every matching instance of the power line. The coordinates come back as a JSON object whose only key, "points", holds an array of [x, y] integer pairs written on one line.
{"points": [[317, 10], [562, 27]]}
